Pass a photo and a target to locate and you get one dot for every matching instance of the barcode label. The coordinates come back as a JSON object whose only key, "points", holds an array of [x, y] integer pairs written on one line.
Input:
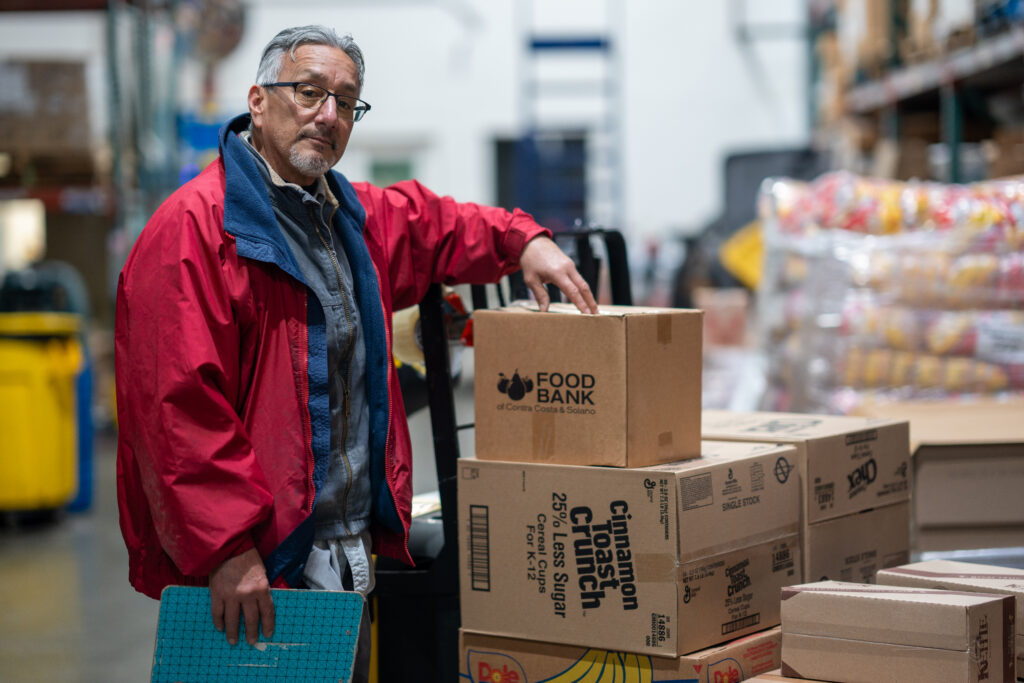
{"points": [[479, 548], [733, 626]]}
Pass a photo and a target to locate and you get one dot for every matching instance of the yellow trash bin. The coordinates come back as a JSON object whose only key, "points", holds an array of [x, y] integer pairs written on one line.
{"points": [[40, 357]]}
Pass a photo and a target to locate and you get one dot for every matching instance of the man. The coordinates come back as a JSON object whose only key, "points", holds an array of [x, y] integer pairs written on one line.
{"points": [[262, 436]]}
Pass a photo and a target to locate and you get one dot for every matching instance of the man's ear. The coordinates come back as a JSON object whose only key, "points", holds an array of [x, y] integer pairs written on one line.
{"points": [[257, 100]]}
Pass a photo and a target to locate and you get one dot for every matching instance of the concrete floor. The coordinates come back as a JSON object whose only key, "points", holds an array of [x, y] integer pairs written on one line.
{"points": [[67, 612]]}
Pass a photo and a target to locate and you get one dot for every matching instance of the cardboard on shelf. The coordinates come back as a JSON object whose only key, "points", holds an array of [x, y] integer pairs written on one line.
{"points": [[941, 539], [662, 560], [860, 633], [965, 576], [487, 659], [622, 388], [847, 464], [854, 547], [968, 460]]}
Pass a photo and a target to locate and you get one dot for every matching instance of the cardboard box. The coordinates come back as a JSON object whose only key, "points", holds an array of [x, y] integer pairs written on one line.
{"points": [[622, 388], [854, 547], [850, 632], [968, 471], [488, 659], [662, 560], [777, 677], [965, 576], [847, 464]]}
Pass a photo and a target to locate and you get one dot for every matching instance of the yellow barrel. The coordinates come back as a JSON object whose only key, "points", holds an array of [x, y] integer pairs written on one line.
{"points": [[40, 357]]}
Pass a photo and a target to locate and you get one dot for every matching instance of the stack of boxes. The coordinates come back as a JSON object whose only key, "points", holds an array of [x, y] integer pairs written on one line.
{"points": [[855, 473], [598, 534], [594, 519]]}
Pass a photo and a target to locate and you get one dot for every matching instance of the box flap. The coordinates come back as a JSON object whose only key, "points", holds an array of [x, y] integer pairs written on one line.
{"points": [[947, 423], [527, 306], [782, 427]]}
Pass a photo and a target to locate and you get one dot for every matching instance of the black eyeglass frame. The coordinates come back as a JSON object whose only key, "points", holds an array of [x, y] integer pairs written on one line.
{"points": [[358, 111]]}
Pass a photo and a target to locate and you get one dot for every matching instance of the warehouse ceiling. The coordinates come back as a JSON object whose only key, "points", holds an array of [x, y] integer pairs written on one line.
{"points": [[73, 5]]}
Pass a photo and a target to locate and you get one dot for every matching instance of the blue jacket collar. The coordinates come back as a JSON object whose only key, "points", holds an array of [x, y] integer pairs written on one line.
{"points": [[248, 213]]}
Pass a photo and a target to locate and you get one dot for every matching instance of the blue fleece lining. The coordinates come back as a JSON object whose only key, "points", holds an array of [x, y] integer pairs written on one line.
{"points": [[288, 559], [319, 396], [248, 214]]}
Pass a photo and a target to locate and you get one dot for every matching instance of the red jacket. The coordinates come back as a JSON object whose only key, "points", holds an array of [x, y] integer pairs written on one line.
{"points": [[223, 430]]}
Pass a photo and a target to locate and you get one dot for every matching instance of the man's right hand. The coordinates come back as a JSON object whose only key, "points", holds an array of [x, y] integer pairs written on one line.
{"points": [[240, 584]]}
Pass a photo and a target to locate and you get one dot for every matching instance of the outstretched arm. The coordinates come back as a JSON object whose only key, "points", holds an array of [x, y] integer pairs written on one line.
{"points": [[543, 262]]}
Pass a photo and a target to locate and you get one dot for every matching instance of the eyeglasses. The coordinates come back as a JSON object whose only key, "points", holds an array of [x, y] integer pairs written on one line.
{"points": [[309, 96]]}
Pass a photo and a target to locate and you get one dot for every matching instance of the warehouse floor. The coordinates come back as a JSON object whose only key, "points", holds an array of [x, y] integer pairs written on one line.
{"points": [[68, 613]]}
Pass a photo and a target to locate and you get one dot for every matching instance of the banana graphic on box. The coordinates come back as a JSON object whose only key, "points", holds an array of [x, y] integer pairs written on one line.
{"points": [[595, 666], [601, 666]]}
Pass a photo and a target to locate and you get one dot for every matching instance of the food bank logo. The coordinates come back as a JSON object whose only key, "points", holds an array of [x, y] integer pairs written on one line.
{"points": [[515, 388], [556, 388]]}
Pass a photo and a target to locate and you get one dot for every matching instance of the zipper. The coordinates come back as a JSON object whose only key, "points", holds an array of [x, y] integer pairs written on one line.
{"points": [[347, 355]]}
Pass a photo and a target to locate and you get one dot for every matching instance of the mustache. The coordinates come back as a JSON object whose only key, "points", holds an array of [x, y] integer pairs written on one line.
{"points": [[323, 135]]}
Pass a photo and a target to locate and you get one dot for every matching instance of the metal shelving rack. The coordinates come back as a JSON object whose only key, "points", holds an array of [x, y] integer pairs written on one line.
{"points": [[952, 85]]}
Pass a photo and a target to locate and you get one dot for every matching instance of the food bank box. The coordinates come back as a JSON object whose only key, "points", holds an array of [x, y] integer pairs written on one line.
{"points": [[489, 659], [965, 576], [848, 464], [848, 632], [854, 547], [622, 388], [662, 560]]}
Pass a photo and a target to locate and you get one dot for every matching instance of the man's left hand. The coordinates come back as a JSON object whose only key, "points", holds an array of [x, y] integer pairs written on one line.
{"points": [[544, 263]]}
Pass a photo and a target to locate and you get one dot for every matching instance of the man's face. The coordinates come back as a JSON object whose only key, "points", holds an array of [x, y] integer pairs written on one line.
{"points": [[303, 144]]}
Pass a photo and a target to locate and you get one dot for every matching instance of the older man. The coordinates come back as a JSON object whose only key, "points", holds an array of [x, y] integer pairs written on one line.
{"points": [[263, 439]]}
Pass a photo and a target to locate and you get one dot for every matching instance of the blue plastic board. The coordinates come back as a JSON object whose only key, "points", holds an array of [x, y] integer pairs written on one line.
{"points": [[315, 635]]}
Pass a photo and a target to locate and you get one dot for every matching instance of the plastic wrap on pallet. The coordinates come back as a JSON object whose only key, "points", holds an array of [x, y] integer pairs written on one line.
{"points": [[876, 288]]}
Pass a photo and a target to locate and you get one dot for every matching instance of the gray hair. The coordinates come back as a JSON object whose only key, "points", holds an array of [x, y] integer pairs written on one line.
{"points": [[288, 40]]}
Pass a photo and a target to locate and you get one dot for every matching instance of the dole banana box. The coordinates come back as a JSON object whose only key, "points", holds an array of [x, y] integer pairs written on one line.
{"points": [[965, 576], [661, 560], [494, 659], [864, 633], [622, 388]]}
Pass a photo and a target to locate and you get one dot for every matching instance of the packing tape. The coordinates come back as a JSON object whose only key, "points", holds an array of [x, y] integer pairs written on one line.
{"points": [[655, 568], [542, 427], [664, 329], [665, 449]]}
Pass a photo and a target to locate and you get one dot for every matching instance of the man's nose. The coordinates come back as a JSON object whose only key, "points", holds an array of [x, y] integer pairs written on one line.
{"points": [[328, 111]]}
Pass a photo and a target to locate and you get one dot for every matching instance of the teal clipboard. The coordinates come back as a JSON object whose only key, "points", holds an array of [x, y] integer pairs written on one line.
{"points": [[315, 637]]}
